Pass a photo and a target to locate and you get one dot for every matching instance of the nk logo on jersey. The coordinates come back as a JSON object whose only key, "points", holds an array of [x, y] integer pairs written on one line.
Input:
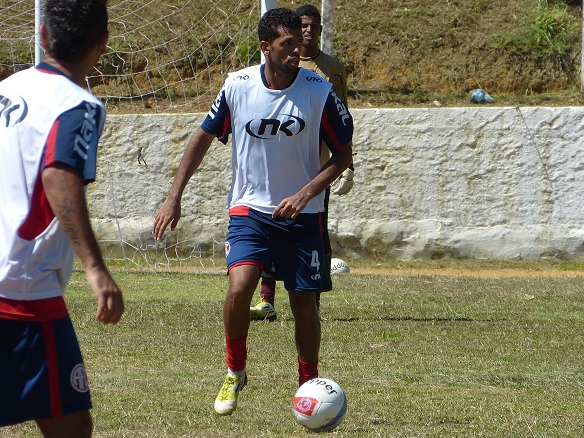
{"points": [[265, 128], [12, 113]]}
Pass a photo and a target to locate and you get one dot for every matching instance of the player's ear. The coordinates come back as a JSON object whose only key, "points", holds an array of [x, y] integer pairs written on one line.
{"points": [[265, 47], [102, 44], [44, 36]]}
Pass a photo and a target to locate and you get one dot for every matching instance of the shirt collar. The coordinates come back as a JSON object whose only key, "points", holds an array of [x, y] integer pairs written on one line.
{"points": [[47, 68]]}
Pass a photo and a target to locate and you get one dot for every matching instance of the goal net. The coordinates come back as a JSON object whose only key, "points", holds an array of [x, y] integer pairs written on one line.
{"points": [[175, 57], [163, 56]]}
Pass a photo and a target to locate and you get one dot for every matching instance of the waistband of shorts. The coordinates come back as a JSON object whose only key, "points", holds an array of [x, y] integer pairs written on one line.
{"points": [[47, 309]]}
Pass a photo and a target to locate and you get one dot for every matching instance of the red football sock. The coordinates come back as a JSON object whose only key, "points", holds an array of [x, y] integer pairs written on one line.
{"points": [[268, 290], [307, 371], [236, 353]]}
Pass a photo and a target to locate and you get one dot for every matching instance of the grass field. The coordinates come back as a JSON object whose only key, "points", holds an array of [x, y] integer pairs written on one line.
{"points": [[418, 356]]}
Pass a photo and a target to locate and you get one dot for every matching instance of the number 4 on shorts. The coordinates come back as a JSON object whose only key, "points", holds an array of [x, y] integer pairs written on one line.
{"points": [[315, 263]]}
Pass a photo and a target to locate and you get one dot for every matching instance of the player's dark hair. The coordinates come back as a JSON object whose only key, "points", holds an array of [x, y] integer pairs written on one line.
{"points": [[274, 19], [74, 27], [309, 11]]}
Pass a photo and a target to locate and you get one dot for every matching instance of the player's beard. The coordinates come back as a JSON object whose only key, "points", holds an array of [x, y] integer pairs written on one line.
{"points": [[286, 67]]}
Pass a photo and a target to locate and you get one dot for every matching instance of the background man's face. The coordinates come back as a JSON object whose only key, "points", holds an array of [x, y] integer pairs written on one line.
{"points": [[311, 30]]}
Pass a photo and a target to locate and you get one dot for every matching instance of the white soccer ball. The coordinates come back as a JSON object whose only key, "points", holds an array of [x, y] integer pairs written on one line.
{"points": [[338, 266], [320, 404]]}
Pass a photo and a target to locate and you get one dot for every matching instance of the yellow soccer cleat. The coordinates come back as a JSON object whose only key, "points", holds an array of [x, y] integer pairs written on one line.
{"points": [[263, 311], [226, 401]]}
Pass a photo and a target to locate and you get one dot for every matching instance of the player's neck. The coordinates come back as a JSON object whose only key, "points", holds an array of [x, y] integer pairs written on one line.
{"points": [[277, 79], [75, 71]]}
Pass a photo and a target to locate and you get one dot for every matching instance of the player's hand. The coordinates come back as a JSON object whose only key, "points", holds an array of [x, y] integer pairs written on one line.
{"points": [[344, 183], [290, 207], [110, 303], [169, 213]]}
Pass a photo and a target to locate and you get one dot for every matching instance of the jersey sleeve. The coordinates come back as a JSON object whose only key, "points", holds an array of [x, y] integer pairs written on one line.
{"points": [[218, 120], [336, 126], [73, 139]]}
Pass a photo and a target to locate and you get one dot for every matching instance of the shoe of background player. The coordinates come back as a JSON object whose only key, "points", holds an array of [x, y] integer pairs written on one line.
{"points": [[263, 310], [226, 401]]}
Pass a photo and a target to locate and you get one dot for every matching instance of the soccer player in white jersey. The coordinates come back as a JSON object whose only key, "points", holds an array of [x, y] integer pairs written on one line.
{"points": [[49, 129], [333, 70], [277, 114]]}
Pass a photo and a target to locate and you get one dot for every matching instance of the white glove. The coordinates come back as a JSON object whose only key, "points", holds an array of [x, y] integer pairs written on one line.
{"points": [[344, 183]]}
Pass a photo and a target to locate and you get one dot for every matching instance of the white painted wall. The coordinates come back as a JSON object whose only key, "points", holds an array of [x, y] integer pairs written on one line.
{"points": [[476, 182]]}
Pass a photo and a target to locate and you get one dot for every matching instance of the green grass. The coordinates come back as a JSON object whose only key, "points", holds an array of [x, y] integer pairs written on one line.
{"points": [[418, 356]]}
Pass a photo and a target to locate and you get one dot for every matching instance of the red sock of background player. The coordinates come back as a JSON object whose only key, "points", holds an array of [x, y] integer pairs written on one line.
{"points": [[268, 290], [307, 371], [236, 354]]}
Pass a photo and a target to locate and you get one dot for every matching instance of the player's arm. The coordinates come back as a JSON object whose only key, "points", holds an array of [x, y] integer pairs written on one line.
{"points": [[63, 188], [216, 124], [291, 207], [170, 211], [339, 161], [337, 132]]}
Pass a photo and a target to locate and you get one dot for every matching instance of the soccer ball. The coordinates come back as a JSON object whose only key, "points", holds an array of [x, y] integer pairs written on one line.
{"points": [[339, 267], [320, 405]]}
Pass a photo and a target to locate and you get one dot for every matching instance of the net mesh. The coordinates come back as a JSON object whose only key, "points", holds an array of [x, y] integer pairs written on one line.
{"points": [[162, 55]]}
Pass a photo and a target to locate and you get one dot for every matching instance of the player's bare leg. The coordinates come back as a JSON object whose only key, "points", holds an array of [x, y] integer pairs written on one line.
{"points": [[243, 281], [306, 333], [76, 425]]}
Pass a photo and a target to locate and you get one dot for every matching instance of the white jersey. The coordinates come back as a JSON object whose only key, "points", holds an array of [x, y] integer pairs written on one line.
{"points": [[276, 136], [44, 118]]}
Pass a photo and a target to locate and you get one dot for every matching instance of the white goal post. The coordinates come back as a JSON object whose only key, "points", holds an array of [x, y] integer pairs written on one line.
{"points": [[38, 16], [268, 4], [326, 40]]}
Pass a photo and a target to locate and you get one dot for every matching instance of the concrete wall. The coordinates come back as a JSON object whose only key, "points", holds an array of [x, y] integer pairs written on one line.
{"points": [[477, 182]]}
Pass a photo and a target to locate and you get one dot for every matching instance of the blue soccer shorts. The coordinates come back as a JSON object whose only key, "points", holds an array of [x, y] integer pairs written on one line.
{"points": [[42, 374], [292, 247]]}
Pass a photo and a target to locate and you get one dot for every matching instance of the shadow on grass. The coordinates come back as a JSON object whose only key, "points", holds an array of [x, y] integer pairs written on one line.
{"points": [[416, 319]]}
